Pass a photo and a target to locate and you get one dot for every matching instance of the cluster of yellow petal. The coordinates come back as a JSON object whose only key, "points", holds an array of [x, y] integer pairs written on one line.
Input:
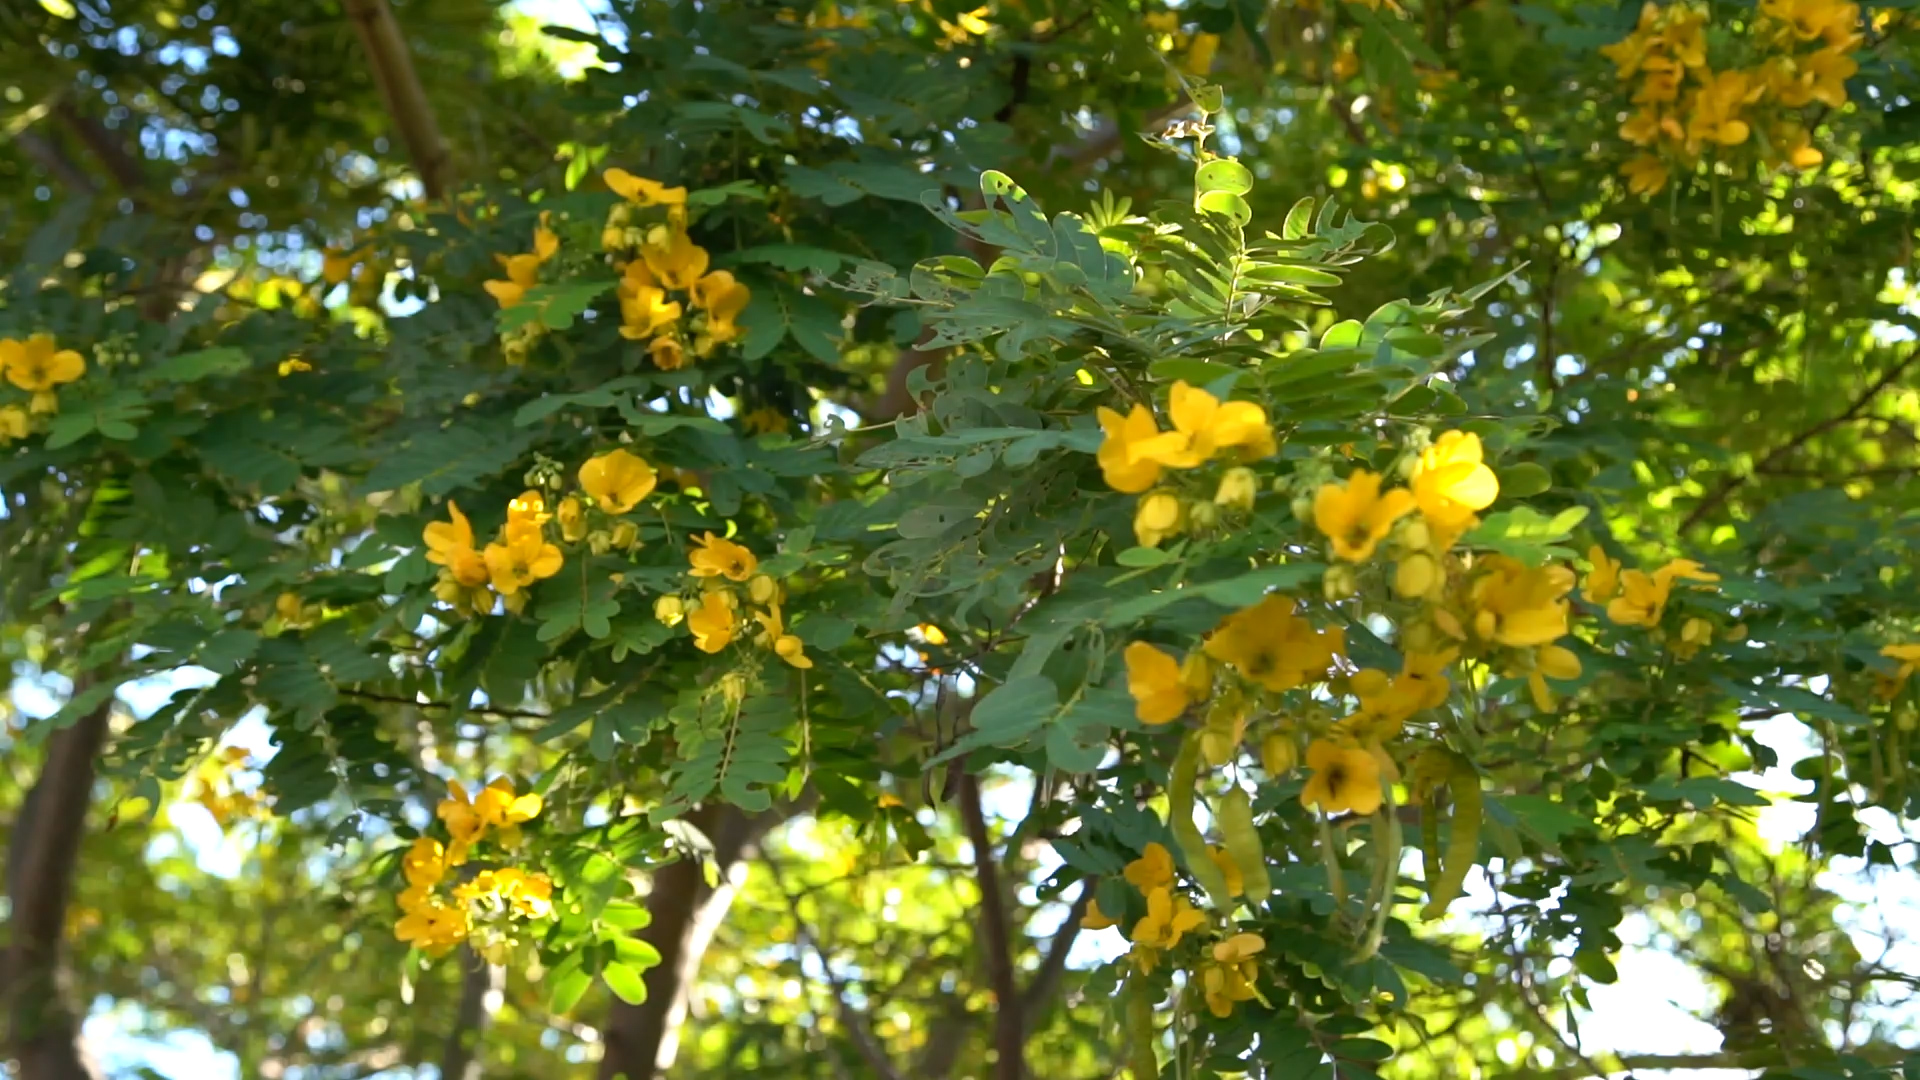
{"points": [[1639, 598], [1135, 454], [1227, 970], [522, 554], [658, 259], [1907, 660], [432, 924], [361, 269], [214, 785], [1801, 54], [1199, 48], [38, 366], [718, 617], [523, 270]]}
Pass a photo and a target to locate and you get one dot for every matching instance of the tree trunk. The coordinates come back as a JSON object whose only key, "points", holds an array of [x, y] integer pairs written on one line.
{"points": [[643, 1039], [44, 1032], [481, 985]]}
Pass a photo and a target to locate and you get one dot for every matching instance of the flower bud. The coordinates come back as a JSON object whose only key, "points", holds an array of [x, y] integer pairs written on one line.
{"points": [[600, 541], [1415, 576], [670, 610], [1237, 490], [626, 535], [572, 518], [1160, 515], [1340, 582], [1203, 515], [1279, 753], [762, 589]]}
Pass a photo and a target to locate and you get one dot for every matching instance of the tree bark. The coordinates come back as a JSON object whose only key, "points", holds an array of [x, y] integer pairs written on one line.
{"points": [[481, 985], [996, 938], [643, 1039], [406, 99], [44, 851]]}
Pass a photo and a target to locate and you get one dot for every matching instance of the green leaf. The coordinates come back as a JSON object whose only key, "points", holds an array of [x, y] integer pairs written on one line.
{"points": [[1227, 205], [194, 366], [1223, 174], [569, 986], [553, 306], [1524, 479], [1299, 220], [621, 915]]}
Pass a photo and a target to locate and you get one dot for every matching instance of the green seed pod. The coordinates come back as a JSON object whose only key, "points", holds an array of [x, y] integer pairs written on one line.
{"points": [[1186, 835], [1243, 845], [1463, 845]]}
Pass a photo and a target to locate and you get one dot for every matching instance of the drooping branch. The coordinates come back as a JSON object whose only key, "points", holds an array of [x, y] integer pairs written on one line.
{"points": [[406, 99], [996, 938], [43, 853]]}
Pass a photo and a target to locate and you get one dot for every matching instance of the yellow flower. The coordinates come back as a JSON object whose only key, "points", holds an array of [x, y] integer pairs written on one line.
{"points": [[1168, 918], [765, 420], [1225, 984], [530, 893], [644, 307], [1279, 753], [1274, 647], [642, 191], [1159, 516], [1908, 658], [526, 513], [1238, 489], [1810, 19], [517, 562], [1550, 662], [1695, 634], [617, 480], [1200, 54], [1095, 919], [1643, 598], [1355, 516], [523, 273], [1230, 870], [1451, 483], [1122, 461], [723, 299], [1205, 426], [13, 423], [1346, 779], [463, 825], [497, 807], [1519, 605], [1603, 581], [1152, 870], [668, 353], [1646, 174], [719, 557], [1714, 115], [37, 366], [676, 260], [434, 928], [572, 516], [1820, 76], [1238, 949], [1415, 575], [773, 634], [425, 863], [1153, 678], [712, 623]]}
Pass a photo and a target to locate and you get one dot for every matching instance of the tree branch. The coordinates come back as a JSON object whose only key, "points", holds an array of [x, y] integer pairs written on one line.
{"points": [[1009, 1040], [1859, 405], [870, 1049], [406, 99], [1046, 981]]}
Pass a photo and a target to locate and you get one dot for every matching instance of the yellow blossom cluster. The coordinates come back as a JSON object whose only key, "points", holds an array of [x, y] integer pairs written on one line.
{"points": [[1907, 659], [522, 554], [1199, 48], [1797, 53], [436, 917], [39, 367], [1227, 972], [718, 616], [1135, 454], [657, 259], [217, 790], [523, 273], [1639, 598]]}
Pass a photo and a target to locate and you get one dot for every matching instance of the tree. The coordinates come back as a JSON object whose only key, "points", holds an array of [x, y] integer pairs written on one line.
{"points": [[675, 555]]}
